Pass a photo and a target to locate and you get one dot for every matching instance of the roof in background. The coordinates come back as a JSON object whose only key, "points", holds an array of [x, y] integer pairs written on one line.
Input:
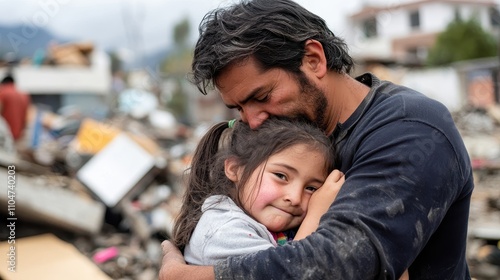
{"points": [[372, 10]]}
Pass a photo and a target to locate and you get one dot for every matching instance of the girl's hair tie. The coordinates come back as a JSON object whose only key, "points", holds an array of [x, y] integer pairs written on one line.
{"points": [[231, 123]]}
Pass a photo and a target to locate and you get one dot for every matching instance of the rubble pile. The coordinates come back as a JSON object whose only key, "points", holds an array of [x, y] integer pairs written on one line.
{"points": [[76, 54], [480, 129], [110, 189]]}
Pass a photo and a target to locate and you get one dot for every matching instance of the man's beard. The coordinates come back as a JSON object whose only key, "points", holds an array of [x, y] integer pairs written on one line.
{"points": [[315, 100]]}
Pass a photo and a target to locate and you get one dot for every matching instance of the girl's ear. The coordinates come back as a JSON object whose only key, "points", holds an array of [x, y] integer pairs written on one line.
{"points": [[231, 169]]}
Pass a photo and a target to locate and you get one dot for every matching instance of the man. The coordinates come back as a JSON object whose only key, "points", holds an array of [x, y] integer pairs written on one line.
{"points": [[405, 201], [13, 106]]}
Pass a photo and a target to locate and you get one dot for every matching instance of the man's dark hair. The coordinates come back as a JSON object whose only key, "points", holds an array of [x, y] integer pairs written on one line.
{"points": [[8, 79], [274, 32]]}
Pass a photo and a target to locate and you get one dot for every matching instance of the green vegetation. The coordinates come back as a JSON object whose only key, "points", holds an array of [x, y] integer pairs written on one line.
{"points": [[462, 40], [176, 66]]}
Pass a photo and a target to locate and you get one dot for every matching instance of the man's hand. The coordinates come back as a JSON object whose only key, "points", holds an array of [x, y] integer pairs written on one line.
{"points": [[171, 262], [173, 266]]}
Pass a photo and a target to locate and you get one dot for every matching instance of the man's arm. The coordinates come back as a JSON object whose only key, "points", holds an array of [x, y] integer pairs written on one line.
{"points": [[397, 193], [175, 268], [383, 216]]}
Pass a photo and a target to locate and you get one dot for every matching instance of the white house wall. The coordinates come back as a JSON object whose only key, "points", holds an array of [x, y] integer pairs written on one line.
{"points": [[435, 17], [376, 47], [441, 84], [94, 79], [395, 23]]}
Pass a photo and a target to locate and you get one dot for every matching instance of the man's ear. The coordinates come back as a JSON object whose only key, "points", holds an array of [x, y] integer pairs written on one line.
{"points": [[314, 60], [231, 168]]}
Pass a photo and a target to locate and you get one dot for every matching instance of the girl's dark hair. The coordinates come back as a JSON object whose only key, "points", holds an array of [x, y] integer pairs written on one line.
{"points": [[274, 32], [250, 148]]}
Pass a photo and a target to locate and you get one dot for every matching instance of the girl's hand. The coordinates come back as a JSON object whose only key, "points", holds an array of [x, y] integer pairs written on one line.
{"points": [[322, 198], [319, 203]]}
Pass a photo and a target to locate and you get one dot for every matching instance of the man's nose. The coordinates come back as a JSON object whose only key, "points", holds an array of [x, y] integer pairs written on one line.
{"points": [[253, 118]]}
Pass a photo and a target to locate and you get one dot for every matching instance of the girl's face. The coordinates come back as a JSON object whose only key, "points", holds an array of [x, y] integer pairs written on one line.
{"points": [[277, 193]]}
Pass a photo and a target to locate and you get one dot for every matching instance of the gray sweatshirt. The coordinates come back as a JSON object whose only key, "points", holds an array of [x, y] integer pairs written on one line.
{"points": [[224, 230]]}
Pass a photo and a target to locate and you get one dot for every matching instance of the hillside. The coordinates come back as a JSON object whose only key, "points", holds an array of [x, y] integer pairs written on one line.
{"points": [[24, 41]]}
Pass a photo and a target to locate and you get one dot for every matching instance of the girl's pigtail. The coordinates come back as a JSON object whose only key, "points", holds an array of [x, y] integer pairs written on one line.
{"points": [[199, 185]]}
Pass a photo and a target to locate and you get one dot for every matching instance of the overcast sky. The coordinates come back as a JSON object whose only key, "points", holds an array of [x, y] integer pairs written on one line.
{"points": [[143, 25]]}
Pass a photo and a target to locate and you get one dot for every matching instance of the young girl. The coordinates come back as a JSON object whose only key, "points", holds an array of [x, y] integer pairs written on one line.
{"points": [[249, 189]]}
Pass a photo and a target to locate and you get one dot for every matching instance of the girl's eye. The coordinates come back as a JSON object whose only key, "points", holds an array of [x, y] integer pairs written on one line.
{"points": [[311, 188], [281, 176]]}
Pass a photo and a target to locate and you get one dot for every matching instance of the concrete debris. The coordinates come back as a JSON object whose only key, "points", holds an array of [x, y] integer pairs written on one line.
{"points": [[103, 186], [112, 174], [42, 200], [74, 54], [480, 129]]}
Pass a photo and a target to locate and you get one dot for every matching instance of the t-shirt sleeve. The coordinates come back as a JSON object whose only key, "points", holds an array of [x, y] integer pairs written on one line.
{"points": [[235, 238]]}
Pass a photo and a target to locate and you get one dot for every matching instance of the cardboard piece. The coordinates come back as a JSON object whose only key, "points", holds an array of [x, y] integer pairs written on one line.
{"points": [[93, 136], [47, 257], [117, 169]]}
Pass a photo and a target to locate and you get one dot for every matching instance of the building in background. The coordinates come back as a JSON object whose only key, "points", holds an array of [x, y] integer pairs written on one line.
{"points": [[403, 33], [393, 42], [74, 74]]}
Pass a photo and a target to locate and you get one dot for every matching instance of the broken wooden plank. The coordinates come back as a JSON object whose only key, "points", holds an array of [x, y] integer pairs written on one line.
{"points": [[47, 257]]}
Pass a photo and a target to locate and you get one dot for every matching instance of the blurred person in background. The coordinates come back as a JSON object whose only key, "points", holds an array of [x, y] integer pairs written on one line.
{"points": [[14, 105]]}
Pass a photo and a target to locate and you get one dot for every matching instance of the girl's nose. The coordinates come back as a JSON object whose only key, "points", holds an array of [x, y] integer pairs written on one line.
{"points": [[294, 196]]}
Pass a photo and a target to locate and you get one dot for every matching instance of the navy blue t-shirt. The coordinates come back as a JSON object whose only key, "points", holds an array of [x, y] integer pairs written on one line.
{"points": [[404, 204]]}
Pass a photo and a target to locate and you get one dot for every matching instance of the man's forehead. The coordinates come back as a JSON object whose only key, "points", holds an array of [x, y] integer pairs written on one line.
{"points": [[237, 78]]}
